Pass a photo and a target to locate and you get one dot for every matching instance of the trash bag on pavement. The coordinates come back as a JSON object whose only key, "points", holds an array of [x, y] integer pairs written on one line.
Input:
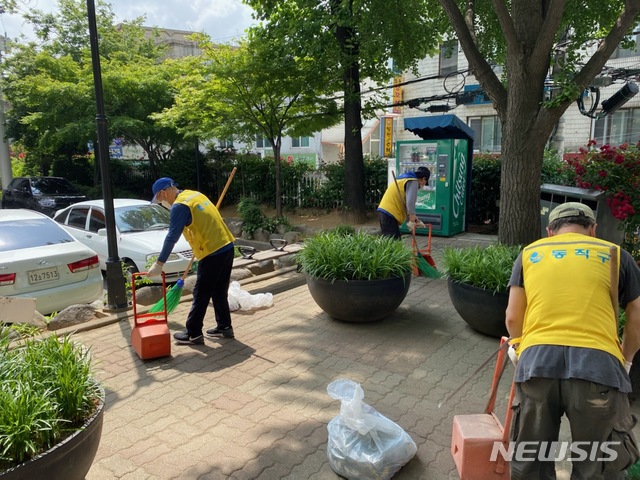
{"points": [[242, 300], [364, 444]]}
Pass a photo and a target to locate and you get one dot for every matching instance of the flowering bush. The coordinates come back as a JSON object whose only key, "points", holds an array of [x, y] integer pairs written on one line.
{"points": [[615, 171]]}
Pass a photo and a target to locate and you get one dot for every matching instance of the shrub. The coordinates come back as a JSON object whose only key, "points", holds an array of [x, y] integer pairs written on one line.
{"points": [[334, 255], [46, 394], [484, 267]]}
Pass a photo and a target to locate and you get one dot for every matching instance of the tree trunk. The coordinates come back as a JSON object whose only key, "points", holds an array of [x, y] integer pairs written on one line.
{"points": [[276, 156], [523, 141], [354, 191]]}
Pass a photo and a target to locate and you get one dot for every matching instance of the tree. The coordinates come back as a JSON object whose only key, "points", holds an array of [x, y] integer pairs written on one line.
{"points": [[255, 88], [352, 40], [49, 84], [534, 39]]}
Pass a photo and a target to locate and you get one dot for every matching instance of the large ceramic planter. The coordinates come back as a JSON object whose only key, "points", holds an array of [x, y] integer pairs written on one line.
{"points": [[483, 310], [359, 300], [70, 459]]}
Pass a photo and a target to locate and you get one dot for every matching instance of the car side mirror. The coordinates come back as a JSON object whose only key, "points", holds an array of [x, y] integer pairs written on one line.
{"points": [[102, 232]]}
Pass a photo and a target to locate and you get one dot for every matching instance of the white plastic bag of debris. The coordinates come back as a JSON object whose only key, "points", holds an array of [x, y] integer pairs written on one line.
{"points": [[242, 300], [364, 444]]}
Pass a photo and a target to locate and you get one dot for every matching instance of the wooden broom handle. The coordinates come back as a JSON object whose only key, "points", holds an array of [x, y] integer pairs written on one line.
{"points": [[224, 191], [226, 187]]}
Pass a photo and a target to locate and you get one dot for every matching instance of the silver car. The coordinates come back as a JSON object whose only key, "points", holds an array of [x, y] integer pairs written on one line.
{"points": [[38, 259], [141, 228]]}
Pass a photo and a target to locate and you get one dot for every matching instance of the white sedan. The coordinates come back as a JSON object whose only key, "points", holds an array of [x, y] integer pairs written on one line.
{"points": [[38, 259], [141, 228]]}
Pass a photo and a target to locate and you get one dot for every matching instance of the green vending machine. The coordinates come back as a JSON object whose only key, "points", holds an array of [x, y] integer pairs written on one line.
{"points": [[446, 150]]}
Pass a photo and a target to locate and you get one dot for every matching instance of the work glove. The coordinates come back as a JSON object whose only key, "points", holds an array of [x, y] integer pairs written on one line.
{"points": [[627, 366], [512, 355], [155, 270], [418, 224]]}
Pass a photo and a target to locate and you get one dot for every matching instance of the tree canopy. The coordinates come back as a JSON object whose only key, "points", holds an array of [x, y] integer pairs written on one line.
{"points": [[350, 40], [561, 44], [255, 88], [49, 84]]}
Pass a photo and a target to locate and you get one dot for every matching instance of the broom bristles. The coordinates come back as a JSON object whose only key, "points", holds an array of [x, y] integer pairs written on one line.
{"points": [[426, 269], [173, 299]]}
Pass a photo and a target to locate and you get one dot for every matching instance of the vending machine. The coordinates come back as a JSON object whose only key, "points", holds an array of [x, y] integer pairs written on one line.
{"points": [[443, 201]]}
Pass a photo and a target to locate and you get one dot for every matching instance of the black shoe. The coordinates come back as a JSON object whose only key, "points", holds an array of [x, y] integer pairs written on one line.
{"points": [[183, 338], [220, 332]]}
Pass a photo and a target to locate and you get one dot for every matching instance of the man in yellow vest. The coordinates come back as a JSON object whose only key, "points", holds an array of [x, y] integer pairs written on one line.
{"points": [[399, 201], [569, 361], [193, 214]]}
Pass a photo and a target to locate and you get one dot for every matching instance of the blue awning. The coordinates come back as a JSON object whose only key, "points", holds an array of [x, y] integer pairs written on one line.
{"points": [[438, 127]]}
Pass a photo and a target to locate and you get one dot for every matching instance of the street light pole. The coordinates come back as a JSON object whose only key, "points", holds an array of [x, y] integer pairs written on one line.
{"points": [[116, 291]]}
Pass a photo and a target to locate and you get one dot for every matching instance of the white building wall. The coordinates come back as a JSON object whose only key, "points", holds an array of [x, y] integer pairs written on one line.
{"points": [[573, 131]]}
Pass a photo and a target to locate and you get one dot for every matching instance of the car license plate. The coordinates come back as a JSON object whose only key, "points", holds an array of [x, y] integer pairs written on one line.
{"points": [[43, 275]]}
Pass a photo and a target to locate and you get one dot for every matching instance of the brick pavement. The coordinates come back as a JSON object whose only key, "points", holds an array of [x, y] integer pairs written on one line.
{"points": [[256, 407]]}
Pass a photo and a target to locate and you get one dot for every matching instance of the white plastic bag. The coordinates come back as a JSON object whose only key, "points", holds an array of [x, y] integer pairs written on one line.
{"points": [[363, 444], [243, 300]]}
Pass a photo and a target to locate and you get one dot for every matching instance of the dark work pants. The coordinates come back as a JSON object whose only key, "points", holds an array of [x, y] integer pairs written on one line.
{"points": [[592, 410], [389, 225], [212, 283]]}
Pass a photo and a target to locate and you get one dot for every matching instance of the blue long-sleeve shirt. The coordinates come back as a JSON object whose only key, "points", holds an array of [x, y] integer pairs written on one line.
{"points": [[180, 218]]}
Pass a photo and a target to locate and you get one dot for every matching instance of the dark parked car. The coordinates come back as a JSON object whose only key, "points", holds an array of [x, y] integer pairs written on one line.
{"points": [[43, 194]]}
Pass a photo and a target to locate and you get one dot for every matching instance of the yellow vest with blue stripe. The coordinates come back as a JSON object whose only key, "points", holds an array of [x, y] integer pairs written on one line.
{"points": [[393, 201], [207, 231], [554, 269]]}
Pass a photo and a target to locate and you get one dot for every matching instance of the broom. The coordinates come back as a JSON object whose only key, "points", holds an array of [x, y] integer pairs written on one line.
{"points": [[175, 292], [425, 265]]}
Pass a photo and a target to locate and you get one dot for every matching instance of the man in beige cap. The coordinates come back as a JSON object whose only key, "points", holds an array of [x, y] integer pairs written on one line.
{"points": [[564, 328]]}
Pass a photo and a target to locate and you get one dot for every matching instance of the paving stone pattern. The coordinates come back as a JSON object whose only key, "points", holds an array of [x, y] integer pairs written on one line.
{"points": [[256, 407]]}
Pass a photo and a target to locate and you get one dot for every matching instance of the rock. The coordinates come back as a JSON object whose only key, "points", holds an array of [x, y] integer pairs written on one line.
{"points": [[372, 230], [292, 237], [73, 315], [235, 225], [238, 274], [285, 261], [260, 268], [261, 235], [148, 295]]}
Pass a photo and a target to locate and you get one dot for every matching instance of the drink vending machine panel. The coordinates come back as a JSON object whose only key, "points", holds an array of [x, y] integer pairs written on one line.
{"points": [[442, 201]]}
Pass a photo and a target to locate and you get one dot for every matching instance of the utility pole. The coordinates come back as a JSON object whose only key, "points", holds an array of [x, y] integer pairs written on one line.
{"points": [[5, 157], [116, 291]]}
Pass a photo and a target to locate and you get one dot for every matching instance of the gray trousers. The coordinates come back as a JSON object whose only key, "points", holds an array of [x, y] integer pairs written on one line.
{"points": [[592, 410]]}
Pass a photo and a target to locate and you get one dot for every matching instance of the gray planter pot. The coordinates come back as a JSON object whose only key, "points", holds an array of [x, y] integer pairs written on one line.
{"points": [[359, 300], [70, 459], [483, 310]]}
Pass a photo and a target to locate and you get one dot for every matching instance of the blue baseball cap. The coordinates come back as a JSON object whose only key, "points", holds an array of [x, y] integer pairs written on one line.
{"points": [[161, 184]]}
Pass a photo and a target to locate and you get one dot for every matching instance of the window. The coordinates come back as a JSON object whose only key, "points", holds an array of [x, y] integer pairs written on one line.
{"points": [[228, 143], [262, 142], [298, 142], [619, 127], [78, 217], [634, 51], [487, 132], [448, 57], [97, 220]]}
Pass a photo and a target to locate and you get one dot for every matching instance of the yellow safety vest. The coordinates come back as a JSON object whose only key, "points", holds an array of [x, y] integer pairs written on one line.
{"points": [[207, 231], [554, 269], [393, 201]]}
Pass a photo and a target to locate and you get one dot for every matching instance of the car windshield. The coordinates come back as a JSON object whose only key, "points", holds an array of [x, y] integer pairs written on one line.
{"points": [[138, 218], [53, 186], [33, 233]]}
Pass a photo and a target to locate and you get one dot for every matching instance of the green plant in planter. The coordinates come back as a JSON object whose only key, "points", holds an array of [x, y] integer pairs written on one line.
{"points": [[484, 267], [47, 393], [339, 255]]}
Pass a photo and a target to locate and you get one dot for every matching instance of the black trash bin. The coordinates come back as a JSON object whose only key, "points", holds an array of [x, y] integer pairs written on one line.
{"points": [[553, 195]]}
